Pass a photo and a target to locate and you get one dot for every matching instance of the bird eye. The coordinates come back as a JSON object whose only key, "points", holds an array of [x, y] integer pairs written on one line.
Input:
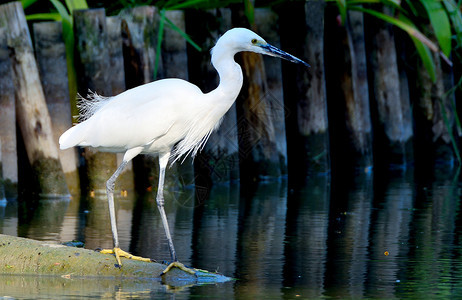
{"points": [[254, 41]]}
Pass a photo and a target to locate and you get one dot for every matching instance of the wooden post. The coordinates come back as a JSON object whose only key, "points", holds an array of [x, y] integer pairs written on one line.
{"points": [[139, 32], [51, 59], [218, 162], [174, 55], [361, 119], [117, 79], [348, 99], [259, 156], [304, 89], [33, 118], [7, 118], [266, 22], [92, 61], [393, 132]]}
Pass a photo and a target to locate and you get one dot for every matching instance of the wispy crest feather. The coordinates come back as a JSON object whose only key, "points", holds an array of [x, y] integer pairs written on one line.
{"points": [[90, 105]]}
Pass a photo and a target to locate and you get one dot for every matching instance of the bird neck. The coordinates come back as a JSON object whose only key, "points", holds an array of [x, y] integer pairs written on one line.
{"points": [[230, 74]]}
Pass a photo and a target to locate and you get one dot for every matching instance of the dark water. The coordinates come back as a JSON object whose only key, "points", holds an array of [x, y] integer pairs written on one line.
{"points": [[364, 236]]}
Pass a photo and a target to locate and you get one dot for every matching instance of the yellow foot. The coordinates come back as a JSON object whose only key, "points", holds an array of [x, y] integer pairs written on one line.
{"points": [[121, 253], [177, 264]]}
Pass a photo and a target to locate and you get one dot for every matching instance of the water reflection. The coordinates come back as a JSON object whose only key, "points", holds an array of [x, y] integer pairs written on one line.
{"points": [[349, 225], [305, 250], [389, 233], [261, 222], [39, 287], [393, 235]]}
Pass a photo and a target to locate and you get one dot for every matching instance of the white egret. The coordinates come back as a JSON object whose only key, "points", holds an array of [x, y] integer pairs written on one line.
{"points": [[168, 117]]}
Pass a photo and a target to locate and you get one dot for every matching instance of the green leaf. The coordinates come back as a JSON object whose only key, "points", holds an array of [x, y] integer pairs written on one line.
{"points": [[44, 17], [249, 11], [27, 3], [76, 5], [426, 57], [440, 23], [62, 11], [456, 19], [424, 52], [342, 7], [203, 4], [412, 7], [392, 3]]}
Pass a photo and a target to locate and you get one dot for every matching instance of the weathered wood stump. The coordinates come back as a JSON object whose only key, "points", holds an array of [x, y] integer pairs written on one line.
{"points": [[7, 119], [31, 110], [92, 64], [266, 22], [51, 59], [348, 94], [393, 131], [304, 89], [361, 123]]}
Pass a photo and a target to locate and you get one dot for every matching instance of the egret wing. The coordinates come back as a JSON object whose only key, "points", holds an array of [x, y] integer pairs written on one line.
{"points": [[141, 115]]}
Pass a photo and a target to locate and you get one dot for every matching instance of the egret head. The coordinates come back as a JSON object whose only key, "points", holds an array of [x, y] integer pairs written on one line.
{"points": [[242, 39]]}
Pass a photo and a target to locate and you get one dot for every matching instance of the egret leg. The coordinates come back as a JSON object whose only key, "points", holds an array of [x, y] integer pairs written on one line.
{"points": [[110, 185], [163, 161]]}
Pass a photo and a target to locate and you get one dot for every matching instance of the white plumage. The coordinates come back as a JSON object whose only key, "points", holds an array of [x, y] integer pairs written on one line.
{"points": [[169, 117]]}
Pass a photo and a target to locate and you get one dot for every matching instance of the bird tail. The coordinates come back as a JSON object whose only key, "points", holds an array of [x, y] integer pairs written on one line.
{"points": [[71, 137]]}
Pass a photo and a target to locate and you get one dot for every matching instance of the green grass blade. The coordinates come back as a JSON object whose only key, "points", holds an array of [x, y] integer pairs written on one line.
{"points": [[183, 34], [440, 23]]}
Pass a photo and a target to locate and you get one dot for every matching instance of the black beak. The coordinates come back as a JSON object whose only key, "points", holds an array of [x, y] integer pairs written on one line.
{"points": [[273, 51]]}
